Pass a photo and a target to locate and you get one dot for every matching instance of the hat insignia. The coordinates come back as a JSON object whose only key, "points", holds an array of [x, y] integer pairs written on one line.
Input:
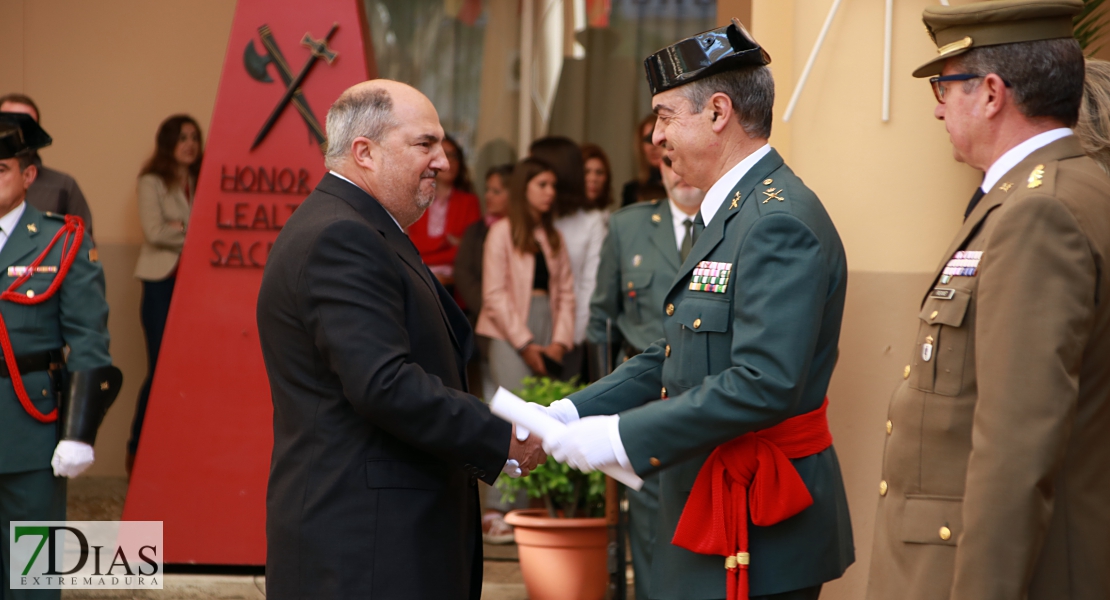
{"points": [[954, 46]]}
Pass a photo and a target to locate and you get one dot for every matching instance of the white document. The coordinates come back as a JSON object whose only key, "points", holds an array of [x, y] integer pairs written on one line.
{"points": [[510, 407]]}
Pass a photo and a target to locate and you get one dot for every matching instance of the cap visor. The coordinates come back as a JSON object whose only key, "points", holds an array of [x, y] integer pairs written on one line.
{"points": [[936, 66]]}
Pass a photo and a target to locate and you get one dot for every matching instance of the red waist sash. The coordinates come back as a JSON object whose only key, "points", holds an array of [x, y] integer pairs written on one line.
{"points": [[750, 475]]}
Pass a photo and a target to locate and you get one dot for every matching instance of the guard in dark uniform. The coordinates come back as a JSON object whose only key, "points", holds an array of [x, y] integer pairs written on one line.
{"points": [[729, 408], [52, 401], [646, 244]]}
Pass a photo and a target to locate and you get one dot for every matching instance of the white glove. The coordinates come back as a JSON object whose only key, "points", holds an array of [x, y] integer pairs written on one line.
{"points": [[562, 411], [71, 458], [512, 468], [586, 444]]}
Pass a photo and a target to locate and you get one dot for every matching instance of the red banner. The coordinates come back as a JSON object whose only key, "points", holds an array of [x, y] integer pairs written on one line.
{"points": [[204, 455]]}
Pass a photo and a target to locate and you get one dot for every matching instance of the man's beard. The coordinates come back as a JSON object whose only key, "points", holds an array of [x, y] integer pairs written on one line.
{"points": [[424, 198]]}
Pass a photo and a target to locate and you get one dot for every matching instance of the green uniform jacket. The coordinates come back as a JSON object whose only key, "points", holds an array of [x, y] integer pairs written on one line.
{"points": [[736, 362], [76, 316], [639, 260]]}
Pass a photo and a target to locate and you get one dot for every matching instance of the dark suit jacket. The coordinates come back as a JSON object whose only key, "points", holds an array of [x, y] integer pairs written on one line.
{"points": [[57, 192], [377, 450]]}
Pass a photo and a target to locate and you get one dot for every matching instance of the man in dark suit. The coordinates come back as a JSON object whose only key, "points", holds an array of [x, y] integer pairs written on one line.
{"points": [[377, 447]]}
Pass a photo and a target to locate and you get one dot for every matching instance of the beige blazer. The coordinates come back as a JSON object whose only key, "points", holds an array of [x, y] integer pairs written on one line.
{"points": [[996, 472], [507, 289], [162, 246]]}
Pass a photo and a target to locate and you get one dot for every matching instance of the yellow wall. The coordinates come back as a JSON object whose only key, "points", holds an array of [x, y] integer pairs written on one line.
{"points": [[104, 75]]}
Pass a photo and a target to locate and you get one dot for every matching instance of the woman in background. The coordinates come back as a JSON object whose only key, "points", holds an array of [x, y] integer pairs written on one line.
{"points": [[599, 178], [439, 230], [468, 261], [583, 227], [527, 286], [167, 184], [1093, 128], [648, 184]]}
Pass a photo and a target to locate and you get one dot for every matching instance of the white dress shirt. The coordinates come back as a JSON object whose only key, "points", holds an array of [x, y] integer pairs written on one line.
{"points": [[8, 223], [717, 194], [1018, 153]]}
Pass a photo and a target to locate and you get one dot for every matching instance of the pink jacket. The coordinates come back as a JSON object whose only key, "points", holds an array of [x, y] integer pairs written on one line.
{"points": [[507, 289]]}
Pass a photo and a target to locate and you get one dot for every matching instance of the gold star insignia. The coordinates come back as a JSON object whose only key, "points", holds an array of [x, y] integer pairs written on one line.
{"points": [[1005, 187], [32, 228], [1036, 176], [656, 218]]}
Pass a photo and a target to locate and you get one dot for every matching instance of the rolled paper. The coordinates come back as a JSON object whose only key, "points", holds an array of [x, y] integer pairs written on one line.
{"points": [[513, 409]]}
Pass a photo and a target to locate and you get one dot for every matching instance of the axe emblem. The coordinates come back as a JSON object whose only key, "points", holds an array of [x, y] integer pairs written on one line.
{"points": [[256, 66]]}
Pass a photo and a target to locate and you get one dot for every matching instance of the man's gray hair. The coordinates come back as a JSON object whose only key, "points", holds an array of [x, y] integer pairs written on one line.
{"points": [[751, 90], [364, 113], [1046, 76]]}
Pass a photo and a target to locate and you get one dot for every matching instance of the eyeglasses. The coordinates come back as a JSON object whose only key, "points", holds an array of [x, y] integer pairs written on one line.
{"points": [[939, 89]]}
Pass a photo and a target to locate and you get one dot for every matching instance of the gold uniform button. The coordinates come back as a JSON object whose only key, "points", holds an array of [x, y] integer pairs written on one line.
{"points": [[629, 285], [654, 461], [889, 427], [30, 293], [945, 533], [883, 488], [906, 372], [934, 314], [667, 350], [663, 393], [670, 309], [697, 323], [45, 393]]}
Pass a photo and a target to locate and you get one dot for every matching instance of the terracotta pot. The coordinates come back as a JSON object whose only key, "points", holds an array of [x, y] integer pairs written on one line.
{"points": [[561, 559]]}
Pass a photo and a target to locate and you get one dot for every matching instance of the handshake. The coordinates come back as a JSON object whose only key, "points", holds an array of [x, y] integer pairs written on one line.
{"points": [[586, 444]]}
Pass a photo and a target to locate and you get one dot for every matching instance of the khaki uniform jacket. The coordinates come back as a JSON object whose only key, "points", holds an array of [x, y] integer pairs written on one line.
{"points": [[996, 473], [162, 243]]}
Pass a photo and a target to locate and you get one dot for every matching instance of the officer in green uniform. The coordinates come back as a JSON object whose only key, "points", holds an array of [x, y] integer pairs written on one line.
{"points": [[51, 403], [751, 324], [640, 257]]}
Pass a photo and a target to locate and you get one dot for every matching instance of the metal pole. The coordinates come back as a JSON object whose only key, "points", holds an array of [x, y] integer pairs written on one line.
{"points": [[887, 43], [812, 58], [618, 581], [524, 99]]}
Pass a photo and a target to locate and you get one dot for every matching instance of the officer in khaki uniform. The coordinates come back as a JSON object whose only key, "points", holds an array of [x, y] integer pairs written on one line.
{"points": [[750, 329], [50, 414], [994, 481], [646, 244]]}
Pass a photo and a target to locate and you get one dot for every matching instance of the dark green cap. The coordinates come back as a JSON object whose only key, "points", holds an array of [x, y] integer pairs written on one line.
{"points": [[20, 135], [957, 29], [709, 52]]}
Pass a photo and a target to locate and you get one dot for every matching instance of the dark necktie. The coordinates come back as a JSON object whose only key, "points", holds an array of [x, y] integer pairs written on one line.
{"points": [[974, 202], [687, 240], [699, 226]]}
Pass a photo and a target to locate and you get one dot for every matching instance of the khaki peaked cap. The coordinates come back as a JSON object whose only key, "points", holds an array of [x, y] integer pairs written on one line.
{"points": [[957, 29]]}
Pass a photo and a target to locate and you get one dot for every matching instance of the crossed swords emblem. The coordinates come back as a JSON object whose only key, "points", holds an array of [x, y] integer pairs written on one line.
{"points": [[255, 64]]}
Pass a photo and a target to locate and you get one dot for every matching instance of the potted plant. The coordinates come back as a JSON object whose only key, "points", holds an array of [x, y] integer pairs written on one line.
{"points": [[562, 546]]}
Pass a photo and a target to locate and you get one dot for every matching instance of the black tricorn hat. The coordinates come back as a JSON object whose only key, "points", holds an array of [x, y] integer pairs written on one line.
{"points": [[704, 54], [20, 135]]}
